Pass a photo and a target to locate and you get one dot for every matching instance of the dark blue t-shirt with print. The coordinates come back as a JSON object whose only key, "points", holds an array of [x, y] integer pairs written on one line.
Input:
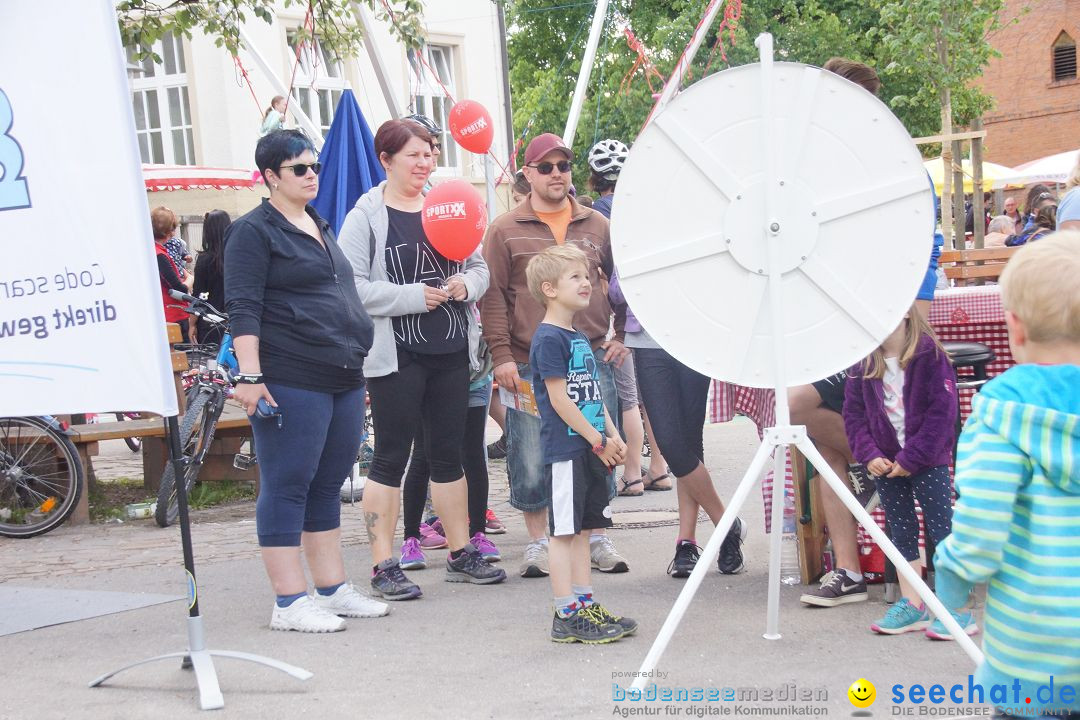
{"points": [[561, 353]]}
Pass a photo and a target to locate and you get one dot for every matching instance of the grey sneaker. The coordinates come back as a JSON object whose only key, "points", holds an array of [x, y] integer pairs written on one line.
{"points": [[605, 557], [864, 486], [583, 627], [471, 567], [606, 617], [390, 583], [535, 563], [730, 559], [836, 589]]}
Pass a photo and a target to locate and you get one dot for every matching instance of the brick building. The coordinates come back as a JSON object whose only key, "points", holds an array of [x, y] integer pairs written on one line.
{"points": [[1034, 82]]}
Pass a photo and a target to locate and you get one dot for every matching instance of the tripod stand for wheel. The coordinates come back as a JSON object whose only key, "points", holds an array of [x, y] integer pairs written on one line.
{"points": [[197, 657], [786, 180]]}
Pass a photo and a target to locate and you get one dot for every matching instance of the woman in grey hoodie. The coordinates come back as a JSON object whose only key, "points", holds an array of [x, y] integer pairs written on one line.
{"points": [[426, 340]]}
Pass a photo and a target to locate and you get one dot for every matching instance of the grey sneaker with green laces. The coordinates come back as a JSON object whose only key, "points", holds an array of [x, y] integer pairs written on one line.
{"points": [[583, 627], [606, 617]]}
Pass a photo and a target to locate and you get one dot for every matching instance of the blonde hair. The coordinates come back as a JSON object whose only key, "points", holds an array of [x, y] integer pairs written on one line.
{"points": [[163, 221], [1074, 175], [1039, 286], [915, 326], [548, 267]]}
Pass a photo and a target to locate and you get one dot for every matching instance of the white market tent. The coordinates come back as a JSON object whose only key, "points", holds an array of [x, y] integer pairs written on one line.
{"points": [[1052, 168]]}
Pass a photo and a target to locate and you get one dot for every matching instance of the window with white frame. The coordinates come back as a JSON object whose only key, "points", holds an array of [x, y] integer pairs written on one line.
{"points": [[431, 100], [159, 97], [320, 80]]}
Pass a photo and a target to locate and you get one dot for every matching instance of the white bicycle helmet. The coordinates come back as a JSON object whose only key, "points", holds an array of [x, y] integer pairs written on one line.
{"points": [[606, 158]]}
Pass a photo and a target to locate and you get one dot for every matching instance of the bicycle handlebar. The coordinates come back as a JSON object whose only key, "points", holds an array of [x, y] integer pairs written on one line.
{"points": [[199, 307]]}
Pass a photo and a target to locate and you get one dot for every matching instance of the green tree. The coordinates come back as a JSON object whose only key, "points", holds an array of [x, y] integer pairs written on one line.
{"points": [[938, 47], [337, 22]]}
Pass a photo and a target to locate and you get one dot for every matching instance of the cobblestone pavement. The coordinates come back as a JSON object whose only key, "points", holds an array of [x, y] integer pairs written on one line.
{"points": [[219, 534]]}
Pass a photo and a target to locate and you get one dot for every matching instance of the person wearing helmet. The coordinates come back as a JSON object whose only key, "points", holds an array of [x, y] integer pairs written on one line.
{"points": [[606, 159], [435, 131]]}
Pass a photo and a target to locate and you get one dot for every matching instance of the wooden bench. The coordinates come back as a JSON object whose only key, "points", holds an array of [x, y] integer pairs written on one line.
{"points": [[233, 426], [967, 266], [809, 518]]}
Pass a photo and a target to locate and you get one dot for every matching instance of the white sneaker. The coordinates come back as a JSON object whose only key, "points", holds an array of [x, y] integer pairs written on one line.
{"points": [[347, 601], [605, 557], [352, 490], [535, 563], [305, 616]]}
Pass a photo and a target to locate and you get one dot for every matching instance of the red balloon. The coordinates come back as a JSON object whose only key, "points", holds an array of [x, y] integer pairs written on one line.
{"points": [[454, 219], [471, 126]]}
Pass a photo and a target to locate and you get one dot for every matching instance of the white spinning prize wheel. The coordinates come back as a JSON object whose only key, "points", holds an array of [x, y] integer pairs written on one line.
{"points": [[786, 174]]}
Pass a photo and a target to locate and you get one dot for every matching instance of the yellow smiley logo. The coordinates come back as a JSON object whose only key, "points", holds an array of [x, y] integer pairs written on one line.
{"points": [[862, 693]]}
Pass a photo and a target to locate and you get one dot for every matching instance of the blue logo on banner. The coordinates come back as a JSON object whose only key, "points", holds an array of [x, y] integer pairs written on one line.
{"points": [[14, 193]]}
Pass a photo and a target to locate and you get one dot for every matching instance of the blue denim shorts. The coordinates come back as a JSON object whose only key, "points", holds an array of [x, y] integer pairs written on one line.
{"points": [[529, 487], [480, 396]]}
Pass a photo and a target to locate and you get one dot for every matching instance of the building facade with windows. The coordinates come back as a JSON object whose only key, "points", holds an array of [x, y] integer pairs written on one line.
{"points": [[1034, 82], [195, 107]]}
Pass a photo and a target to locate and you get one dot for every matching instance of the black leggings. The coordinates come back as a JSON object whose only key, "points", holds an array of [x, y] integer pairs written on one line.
{"points": [[426, 393], [473, 457]]}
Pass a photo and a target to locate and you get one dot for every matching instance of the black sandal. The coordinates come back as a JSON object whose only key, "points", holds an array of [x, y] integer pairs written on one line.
{"points": [[651, 485], [624, 491]]}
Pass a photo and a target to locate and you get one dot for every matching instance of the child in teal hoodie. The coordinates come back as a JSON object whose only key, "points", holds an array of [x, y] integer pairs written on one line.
{"points": [[1016, 524]]}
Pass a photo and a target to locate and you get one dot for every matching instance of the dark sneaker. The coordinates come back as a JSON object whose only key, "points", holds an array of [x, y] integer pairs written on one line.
{"points": [[583, 627], [864, 486], [497, 449], [686, 557], [730, 559], [471, 567], [391, 584], [836, 589], [603, 616]]}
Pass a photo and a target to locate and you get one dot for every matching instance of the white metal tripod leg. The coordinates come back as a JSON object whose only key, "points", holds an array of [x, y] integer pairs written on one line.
{"points": [[708, 555], [297, 672], [902, 566], [772, 618], [210, 697]]}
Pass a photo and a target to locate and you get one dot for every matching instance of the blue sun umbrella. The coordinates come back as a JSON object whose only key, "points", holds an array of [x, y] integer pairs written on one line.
{"points": [[349, 165]]}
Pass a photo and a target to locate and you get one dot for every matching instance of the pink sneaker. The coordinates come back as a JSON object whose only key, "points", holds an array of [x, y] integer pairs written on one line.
{"points": [[487, 549], [430, 539]]}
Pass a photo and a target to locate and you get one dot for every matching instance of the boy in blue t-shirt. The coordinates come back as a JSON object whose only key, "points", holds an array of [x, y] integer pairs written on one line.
{"points": [[578, 444]]}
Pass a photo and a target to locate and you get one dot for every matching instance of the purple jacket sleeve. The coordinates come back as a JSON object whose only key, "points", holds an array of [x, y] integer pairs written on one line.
{"points": [[862, 444], [932, 381]]}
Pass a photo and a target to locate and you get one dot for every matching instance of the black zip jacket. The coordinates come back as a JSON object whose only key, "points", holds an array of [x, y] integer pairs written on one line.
{"points": [[298, 299]]}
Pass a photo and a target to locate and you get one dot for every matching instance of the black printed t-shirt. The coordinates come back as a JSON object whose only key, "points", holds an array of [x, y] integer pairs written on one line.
{"points": [[410, 258]]}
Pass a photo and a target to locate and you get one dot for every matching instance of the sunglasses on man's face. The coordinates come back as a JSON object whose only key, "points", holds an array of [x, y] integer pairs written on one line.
{"points": [[300, 169], [545, 168]]}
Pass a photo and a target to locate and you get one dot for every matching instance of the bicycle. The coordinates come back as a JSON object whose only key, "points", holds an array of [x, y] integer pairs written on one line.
{"points": [[40, 475], [206, 390]]}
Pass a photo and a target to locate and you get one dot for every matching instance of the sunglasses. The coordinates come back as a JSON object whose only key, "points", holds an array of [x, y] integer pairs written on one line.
{"points": [[545, 168], [300, 169]]}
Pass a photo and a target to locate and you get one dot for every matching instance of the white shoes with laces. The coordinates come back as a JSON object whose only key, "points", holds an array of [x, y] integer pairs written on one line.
{"points": [[347, 601], [303, 615]]}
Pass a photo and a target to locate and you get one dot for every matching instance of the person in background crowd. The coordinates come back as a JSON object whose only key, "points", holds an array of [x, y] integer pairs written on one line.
{"points": [[1068, 215], [606, 159], [547, 217], [301, 335], [1045, 221], [274, 117], [520, 189], [1038, 196], [1001, 227], [210, 271], [163, 222], [1014, 215], [425, 346]]}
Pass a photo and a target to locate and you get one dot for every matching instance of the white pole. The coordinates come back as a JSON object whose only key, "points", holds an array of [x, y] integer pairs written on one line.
{"points": [[489, 183], [298, 112], [584, 73], [673, 83]]}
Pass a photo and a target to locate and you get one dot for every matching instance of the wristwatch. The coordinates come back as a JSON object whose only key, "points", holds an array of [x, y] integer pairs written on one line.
{"points": [[249, 378], [599, 447]]}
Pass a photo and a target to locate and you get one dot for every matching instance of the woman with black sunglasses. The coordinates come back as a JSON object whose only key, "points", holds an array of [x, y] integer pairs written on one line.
{"points": [[301, 335]]}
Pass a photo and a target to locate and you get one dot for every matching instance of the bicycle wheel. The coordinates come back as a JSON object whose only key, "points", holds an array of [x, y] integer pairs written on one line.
{"points": [[40, 477], [196, 434], [133, 443]]}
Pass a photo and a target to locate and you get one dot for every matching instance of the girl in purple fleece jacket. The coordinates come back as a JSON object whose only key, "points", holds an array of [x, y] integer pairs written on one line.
{"points": [[900, 408]]}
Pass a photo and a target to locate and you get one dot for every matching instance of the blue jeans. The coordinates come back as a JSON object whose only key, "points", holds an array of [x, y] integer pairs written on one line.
{"points": [[303, 463], [529, 490]]}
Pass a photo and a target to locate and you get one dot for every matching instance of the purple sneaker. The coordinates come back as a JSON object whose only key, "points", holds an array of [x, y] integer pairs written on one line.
{"points": [[412, 557], [487, 548], [436, 525], [430, 539]]}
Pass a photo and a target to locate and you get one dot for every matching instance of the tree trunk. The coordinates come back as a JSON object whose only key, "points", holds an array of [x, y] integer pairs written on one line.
{"points": [[946, 145]]}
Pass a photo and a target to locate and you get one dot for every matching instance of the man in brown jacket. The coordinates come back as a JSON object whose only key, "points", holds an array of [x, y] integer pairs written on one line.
{"points": [[510, 316]]}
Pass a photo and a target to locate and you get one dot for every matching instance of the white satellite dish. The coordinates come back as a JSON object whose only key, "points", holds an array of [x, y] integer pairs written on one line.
{"points": [[773, 226], [850, 205]]}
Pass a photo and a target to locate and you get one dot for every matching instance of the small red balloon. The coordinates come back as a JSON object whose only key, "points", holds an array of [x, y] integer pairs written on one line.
{"points": [[471, 126], [454, 219]]}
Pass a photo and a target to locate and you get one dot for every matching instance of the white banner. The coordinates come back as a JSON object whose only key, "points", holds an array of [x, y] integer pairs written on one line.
{"points": [[82, 325]]}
